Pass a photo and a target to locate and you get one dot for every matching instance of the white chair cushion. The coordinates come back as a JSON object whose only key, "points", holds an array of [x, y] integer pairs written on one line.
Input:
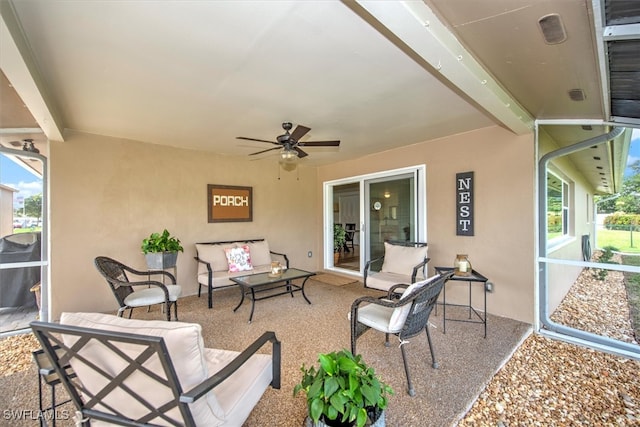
{"points": [[149, 296], [185, 346], [241, 392], [384, 281], [399, 315], [402, 259], [260, 254], [377, 317], [214, 255]]}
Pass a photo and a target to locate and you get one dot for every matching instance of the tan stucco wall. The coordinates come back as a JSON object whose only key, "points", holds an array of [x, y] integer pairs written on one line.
{"points": [[107, 194], [503, 246]]}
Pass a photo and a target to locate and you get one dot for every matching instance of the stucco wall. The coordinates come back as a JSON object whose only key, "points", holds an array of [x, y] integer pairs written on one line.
{"points": [[503, 246], [107, 194]]}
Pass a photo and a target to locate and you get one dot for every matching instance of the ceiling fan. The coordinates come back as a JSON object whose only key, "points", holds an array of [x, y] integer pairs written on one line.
{"points": [[291, 143]]}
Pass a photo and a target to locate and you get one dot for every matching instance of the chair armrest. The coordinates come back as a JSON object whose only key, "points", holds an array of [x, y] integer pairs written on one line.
{"points": [[286, 260], [149, 272], [392, 290], [367, 266], [213, 381], [207, 264], [418, 267]]}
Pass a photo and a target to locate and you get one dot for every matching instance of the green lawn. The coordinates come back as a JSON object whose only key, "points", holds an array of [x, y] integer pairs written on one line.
{"points": [[632, 282], [621, 240]]}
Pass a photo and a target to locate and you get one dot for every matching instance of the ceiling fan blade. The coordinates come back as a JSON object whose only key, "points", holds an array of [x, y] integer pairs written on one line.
{"points": [[299, 132], [264, 151], [301, 153], [320, 143], [254, 139]]}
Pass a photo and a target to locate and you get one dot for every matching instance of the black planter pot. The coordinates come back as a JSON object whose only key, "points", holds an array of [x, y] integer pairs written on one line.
{"points": [[377, 418]]}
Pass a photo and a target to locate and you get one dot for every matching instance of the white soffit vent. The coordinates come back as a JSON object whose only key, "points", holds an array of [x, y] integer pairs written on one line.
{"points": [[552, 29]]}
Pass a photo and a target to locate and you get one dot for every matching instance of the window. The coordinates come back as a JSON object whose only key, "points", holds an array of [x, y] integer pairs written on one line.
{"points": [[557, 207]]}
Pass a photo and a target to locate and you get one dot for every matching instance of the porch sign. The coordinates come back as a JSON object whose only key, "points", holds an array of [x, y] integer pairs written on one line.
{"points": [[229, 203], [464, 204]]}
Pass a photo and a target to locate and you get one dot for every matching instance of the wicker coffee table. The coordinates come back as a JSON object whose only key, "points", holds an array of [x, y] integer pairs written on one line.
{"points": [[272, 285]]}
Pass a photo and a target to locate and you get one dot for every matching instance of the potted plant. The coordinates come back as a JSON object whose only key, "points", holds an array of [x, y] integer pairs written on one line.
{"points": [[161, 250], [339, 239], [343, 391]]}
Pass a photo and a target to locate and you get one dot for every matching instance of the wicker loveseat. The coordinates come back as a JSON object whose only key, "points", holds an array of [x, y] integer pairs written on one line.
{"points": [[214, 269]]}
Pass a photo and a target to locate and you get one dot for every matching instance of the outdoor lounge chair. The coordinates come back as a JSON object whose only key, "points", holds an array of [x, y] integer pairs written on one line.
{"points": [[406, 317], [141, 293], [151, 372]]}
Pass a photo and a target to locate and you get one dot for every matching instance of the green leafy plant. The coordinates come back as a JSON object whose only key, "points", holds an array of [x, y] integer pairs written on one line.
{"points": [[343, 387], [164, 242], [339, 237], [606, 257]]}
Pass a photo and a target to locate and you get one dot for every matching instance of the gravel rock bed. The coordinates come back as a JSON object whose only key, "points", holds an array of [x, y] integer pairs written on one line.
{"points": [[551, 383]]}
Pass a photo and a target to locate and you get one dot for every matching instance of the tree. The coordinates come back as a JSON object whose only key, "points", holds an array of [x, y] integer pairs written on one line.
{"points": [[629, 201], [629, 196], [33, 206]]}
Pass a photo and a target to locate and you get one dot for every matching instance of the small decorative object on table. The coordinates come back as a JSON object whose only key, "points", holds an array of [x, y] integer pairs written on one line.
{"points": [[276, 269], [462, 266], [343, 391]]}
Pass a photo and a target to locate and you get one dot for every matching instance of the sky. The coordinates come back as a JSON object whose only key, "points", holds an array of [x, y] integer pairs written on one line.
{"points": [[634, 150], [17, 177], [29, 184]]}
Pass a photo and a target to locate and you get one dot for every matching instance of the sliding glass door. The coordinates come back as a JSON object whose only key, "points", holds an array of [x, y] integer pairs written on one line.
{"points": [[386, 206]]}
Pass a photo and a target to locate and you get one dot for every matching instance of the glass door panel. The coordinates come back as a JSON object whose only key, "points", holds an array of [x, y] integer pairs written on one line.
{"points": [[346, 213], [391, 212]]}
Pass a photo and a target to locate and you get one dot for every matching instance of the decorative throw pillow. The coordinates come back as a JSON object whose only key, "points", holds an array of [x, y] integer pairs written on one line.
{"points": [[239, 259]]}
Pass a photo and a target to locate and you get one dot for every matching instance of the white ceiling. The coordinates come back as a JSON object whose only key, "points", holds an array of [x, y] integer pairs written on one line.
{"points": [[375, 75]]}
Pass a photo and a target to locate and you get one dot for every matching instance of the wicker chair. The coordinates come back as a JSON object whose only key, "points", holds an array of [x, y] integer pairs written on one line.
{"points": [[402, 262], [405, 317], [148, 292]]}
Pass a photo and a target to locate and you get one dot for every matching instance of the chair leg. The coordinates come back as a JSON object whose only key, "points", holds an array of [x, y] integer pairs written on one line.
{"points": [[175, 310], [410, 388], [199, 289], [130, 312], [433, 355], [167, 308], [386, 340]]}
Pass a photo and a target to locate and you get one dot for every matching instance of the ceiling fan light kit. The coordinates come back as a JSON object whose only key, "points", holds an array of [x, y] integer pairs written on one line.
{"points": [[290, 143]]}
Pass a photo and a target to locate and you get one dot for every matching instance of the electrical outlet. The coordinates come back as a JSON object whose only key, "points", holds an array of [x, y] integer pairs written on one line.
{"points": [[309, 254], [489, 286]]}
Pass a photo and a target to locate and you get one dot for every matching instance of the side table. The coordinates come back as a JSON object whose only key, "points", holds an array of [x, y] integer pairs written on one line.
{"points": [[474, 277]]}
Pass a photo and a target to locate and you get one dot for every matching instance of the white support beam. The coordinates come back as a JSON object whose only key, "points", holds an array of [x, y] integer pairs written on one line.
{"points": [[415, 25], [18, 65]]}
